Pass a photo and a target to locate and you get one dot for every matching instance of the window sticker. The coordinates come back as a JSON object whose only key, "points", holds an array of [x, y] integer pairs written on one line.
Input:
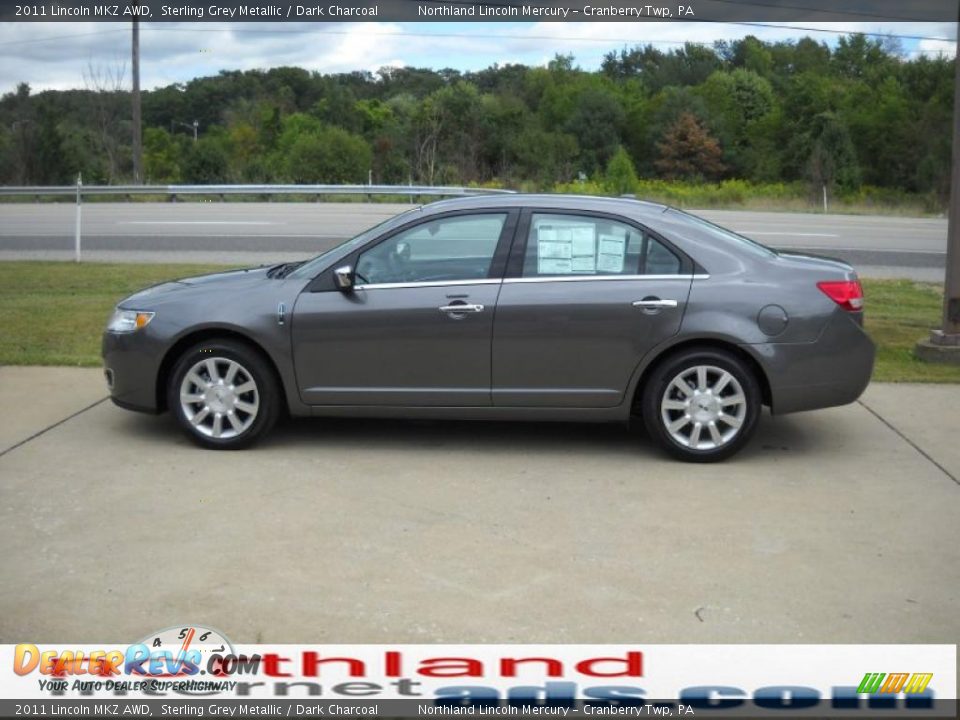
{"points": [[611, 253], [563, 249]]}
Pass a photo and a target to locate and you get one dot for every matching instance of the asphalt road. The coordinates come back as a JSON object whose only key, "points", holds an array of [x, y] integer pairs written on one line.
{"points": [[264, 232]]}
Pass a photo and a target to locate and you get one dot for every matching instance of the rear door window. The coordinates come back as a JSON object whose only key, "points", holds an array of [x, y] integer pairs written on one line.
{"points": [[566, 245]]}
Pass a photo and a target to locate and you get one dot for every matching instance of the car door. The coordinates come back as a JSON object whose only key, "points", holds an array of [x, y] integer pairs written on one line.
{"points": [[416, 328], [586, 296]]}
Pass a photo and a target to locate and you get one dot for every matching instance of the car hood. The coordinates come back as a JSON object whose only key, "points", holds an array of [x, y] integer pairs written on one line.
{"points": [[229, 279]]}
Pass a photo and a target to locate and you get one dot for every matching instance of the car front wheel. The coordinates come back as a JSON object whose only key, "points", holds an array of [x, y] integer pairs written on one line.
{"points": [[702, 405], [223, 395]]}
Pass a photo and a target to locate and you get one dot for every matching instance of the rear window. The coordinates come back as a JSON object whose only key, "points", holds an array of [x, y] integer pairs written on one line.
{"points": [[723, 234]]}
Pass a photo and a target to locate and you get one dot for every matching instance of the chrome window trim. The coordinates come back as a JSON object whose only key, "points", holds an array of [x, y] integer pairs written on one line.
{"points": [[428, 283], [555, 278], [590, 278]]}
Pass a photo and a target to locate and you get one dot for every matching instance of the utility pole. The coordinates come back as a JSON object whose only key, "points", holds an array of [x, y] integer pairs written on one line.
{"points": [[137, 129], [944, 343]]}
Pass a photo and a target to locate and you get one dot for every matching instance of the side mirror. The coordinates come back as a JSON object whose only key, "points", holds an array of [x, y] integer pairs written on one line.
{"points": [[343, 277]]}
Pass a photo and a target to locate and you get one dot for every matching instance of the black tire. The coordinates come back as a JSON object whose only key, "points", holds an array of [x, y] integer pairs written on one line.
{"points": [[660, 383], [252, 367]]}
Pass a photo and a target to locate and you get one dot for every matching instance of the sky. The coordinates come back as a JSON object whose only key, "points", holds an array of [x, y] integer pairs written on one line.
{"points": [[79, 55]]}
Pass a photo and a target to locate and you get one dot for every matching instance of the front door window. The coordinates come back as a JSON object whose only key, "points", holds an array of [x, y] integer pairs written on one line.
{"points": [[454, 248]]}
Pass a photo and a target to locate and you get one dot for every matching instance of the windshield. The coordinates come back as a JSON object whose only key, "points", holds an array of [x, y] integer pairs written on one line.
{"points": [[310, 268], [723, 233]]}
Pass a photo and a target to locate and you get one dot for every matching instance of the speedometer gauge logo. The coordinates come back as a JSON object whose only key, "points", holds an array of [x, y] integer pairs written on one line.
{"points": [[201, 649]]}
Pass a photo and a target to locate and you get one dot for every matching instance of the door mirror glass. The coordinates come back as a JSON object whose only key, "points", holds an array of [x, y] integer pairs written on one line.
{"points": [[343, 278]]}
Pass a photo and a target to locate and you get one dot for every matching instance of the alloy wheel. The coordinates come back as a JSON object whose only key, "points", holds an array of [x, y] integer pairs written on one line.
{"points": [[219, 398], [703, 407]]}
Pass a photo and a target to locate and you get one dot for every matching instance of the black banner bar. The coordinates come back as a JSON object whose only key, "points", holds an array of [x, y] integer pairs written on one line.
{"points": [[794, 11], [315, 707]]}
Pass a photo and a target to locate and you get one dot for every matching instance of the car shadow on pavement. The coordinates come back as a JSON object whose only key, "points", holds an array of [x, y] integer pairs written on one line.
{"points": [[786, 436]]}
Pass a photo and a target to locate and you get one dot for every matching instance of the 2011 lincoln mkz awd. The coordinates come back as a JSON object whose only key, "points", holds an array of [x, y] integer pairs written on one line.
{"points": [[530, 307]]}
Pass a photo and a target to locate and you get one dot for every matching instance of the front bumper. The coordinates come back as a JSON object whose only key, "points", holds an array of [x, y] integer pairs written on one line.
{"points": [[833, 370], [131, 364]]}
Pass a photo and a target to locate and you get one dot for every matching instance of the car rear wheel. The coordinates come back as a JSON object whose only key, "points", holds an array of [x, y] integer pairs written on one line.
{"points": [[223, 395], [702, 405]]}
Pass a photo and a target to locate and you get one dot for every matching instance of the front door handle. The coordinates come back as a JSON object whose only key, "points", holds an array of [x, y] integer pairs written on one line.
{"points": [[461, 308], [654, 303]]}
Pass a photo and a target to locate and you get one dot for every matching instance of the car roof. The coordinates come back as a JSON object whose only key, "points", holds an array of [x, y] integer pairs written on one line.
{"points": [[622, 205]]}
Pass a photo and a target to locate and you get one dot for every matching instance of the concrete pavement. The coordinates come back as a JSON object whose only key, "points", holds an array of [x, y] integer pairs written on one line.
{"points": [[834, 526], [273, 232]]}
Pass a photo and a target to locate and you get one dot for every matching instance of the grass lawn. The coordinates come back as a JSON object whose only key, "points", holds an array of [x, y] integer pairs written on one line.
{"points": [[52, 313], [899, 313]]}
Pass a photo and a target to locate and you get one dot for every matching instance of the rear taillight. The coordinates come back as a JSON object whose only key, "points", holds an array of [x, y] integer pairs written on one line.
{"points": [[848, 294]]}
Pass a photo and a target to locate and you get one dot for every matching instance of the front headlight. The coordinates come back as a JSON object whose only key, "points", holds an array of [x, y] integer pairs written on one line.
{"points": [[128, 321]]}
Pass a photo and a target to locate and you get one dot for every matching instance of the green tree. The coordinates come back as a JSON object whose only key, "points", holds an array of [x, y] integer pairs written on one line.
{"points": [[738, 104], [330, 156], [596, 123], [833, 160], [204, 162], [621, 178], [161, 157]]}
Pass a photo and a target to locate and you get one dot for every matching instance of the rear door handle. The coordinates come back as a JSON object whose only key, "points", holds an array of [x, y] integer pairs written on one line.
{"points": [[461, 308], [655, 303]]}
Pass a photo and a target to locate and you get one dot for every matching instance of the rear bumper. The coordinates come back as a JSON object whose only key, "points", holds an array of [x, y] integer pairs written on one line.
{"points": [[833, 370], [131, 362]]}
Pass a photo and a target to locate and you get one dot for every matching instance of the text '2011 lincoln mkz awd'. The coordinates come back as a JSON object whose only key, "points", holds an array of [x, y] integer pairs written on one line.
{"points": [[504, 307]]}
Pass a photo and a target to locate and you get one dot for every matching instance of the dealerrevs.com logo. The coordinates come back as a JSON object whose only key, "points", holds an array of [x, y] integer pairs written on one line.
{"points": [[162, 660]]}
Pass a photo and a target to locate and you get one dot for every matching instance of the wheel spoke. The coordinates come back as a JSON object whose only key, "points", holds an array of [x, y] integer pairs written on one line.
{"points": [[731, 420], [679, 424], [701, 378], [235, 421], [200, 416], [246, 407], [197, 380], [695, 434], [231, 373], [737, 399], [682, 386], [245, 387], [212, 371], [714, 433], [217, 425], [720, 384], [191, 398], [674, 405]]}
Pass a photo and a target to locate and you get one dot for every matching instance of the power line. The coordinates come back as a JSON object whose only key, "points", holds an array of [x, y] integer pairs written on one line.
{"points": [[52, 38], [840, 32]]}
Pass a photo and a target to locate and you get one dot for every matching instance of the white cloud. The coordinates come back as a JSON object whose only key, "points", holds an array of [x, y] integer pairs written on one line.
{"points": [[936, 48], [55, 55]]}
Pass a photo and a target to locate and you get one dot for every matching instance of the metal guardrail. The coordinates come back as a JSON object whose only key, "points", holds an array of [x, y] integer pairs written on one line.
{"points": [[80, 190], [174, 190]]}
